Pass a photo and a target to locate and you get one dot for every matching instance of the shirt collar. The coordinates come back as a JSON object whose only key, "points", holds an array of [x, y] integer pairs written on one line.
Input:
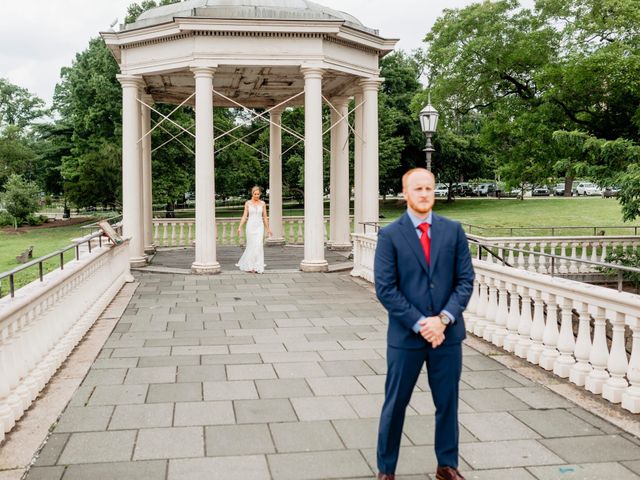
{"points": [[417, 221]]}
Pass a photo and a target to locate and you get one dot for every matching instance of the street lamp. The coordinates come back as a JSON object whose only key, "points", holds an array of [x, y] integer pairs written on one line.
{"points": [[429, 122]]}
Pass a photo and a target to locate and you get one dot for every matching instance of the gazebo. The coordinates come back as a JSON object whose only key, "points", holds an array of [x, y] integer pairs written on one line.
{"points": [[254, 54]]}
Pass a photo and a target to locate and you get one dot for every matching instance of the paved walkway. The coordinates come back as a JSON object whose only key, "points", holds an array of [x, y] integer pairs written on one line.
{"points": [[280, 376]]}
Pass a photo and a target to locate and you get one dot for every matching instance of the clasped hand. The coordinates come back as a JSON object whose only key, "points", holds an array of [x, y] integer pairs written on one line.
{"points": [[432, 330]]}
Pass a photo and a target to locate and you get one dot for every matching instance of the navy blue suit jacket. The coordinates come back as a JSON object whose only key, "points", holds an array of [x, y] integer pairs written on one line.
{"points": [[409, 288]]}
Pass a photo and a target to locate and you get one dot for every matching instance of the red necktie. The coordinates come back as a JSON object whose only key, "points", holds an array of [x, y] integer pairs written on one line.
{"points": [[425, 241]]}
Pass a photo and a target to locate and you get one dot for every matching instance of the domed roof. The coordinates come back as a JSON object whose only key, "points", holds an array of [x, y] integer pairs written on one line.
{"points": [[246, 9]]}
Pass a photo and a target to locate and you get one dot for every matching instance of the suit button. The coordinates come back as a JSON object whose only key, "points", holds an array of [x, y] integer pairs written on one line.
{"points": [[433, 285]]}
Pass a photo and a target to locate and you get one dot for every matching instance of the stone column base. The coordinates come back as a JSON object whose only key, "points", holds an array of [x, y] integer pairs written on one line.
{"points": [[137, 262], [274, 242], [150, 249], [341, 247], [314, 266], [205, 268]]}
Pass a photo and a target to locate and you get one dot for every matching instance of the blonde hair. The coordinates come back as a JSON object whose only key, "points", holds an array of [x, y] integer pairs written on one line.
{"points": [[408, 173], [254, 189]]}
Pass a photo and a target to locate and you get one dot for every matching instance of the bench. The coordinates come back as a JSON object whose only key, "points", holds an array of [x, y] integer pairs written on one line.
{"points": [[25, 256]]}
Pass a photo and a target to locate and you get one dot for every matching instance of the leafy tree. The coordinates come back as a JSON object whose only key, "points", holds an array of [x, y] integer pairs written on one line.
{"points": [[19, 108], [16, 157], [20, 198], [135, 9]]}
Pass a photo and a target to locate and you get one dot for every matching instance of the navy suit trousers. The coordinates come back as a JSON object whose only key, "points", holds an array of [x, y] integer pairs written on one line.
{"points": [[444, 366]]}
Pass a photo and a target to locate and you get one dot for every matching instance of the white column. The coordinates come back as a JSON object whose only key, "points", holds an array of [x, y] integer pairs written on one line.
{"points": [[132, 221], [147, 196], [275, 178], [332, 175], [370, 185], [341, 225], [205, 262], [314, 260], [357, 164]]}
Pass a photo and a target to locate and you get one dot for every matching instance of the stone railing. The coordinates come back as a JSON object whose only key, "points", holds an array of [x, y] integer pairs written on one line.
{"points": [[532, 315], [45, 320], [572, 252], [180, 232]]}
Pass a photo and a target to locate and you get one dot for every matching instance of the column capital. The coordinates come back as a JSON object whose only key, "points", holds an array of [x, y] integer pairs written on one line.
{"points": [[368, 84], [276, 112], [147, 99], [341, 101], [130, 80], [203, 71], [312, 72]]}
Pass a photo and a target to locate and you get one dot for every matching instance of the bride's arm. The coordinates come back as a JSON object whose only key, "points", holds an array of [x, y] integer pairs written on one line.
{"points": [[265, 218], [244, 217]]}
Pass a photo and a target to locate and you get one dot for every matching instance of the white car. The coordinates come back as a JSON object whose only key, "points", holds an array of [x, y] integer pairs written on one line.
{"points": [[441, 190], [588, 188]]}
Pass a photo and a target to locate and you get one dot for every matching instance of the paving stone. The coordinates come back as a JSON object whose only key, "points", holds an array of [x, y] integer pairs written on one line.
{"points": [[492, 426], [246, 467], [232, 359], [176, 442], [488, 379], [366, 354], [634, 466], [112, 376], [480, 362], [81, 396], [142, 416], [507, 454], [175, 392], [346, 367], [360, 432], [96, 447], [299, 370], [200, 350], [504, 473], [264, 411], [204, 413], [169, 361], [318, 465], [555, 423], [45, 473], [49, 454], [84, 419], [234, 390], [492, 400], [600, 448], [283, 388], [284, 357], [418, 460], [118, 394], [539, 397], [322, 408], [372, 383], [305, 437], [306, 346], [238, 440], [147, 470], [201, 373], [140, 352], [151, 375], [250, 372], [366, 405], [422, 402], [586, 471], [105, 363], [335, 386]]}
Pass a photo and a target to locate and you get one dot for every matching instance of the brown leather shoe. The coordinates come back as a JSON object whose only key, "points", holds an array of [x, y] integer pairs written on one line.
{"points": [[448, 473], [386, 476]]}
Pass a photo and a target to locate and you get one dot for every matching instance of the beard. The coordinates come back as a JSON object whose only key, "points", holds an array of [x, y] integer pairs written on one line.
{"points": [[422, 208]]}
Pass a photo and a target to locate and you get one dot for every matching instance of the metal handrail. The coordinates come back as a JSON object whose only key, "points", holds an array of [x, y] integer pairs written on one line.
{"points": [[40, 261], [553, 228], [112, 220], [612, 266]]}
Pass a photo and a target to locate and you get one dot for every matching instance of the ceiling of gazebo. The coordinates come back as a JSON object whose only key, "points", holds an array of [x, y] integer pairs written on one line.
{"points": [[256, 87]]}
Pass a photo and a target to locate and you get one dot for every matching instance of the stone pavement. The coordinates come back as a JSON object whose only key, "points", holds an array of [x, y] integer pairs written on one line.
{"points": [[280, 376]]}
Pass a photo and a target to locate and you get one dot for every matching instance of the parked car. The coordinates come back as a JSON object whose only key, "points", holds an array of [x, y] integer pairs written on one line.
{"points": [[485, 189], [611, 191], [441, 190], [587, 188], [462, 190], [540, 191], [558, 190]]}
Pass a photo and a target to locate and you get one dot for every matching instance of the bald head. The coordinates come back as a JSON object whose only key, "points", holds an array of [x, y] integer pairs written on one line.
{"points": [[414, 171], [418, 188]]}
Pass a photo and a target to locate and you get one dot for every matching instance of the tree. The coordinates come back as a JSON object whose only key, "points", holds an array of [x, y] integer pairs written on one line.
{"points": [[20, 198], [19, 108], [135, 9]]}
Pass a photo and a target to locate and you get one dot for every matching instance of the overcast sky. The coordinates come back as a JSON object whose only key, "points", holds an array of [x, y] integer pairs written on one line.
{"points": [[39, 37]]}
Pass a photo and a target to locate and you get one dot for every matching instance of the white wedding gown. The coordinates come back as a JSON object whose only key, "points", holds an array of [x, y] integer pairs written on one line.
{"points": [[252, 259]]}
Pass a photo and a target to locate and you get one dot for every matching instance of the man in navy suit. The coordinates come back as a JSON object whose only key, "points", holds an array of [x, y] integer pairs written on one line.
{"points": [[424, 278]]}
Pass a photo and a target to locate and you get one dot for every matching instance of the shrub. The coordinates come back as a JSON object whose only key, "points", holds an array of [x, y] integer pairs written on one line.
{"points": [[20, 198]]}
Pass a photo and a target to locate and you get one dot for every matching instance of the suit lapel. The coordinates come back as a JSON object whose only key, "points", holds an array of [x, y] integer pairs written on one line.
{"points": [[436, 239], [409, 232]]}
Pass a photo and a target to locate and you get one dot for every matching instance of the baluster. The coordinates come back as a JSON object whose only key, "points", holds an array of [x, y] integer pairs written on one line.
{"points": [[165, 234], [631, 397], [584, 256], [511, 260], [502, 314], [531, 260], [603, 251], [550, 338], [470, 316], [224, 226], [617, 364], [521, 262], [156, 238], [7, 416], [563, 260], [566, 341], [594, 255], [478, 328], [542, 260], [174, 228], [513, 319], [573, 264], [181, 239], [492, 308], [524, 325], [582, 368], [300, 232], [599, 355], [537, 329]]}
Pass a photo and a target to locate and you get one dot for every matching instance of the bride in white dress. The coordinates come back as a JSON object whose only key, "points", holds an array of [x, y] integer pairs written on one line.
{"points": [[255, 215]]}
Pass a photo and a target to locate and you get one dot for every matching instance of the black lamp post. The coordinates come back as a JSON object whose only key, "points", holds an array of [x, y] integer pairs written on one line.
{"points": [[429, 122]]}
